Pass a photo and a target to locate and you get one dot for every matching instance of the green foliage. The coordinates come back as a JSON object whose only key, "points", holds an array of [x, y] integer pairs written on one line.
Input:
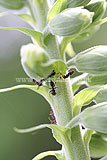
{"points": [[98, 7], [70, 22], [91, 61], [59, 6], [53, 31], [98, 146], [12, 4], [95, 117], [76, 3]]}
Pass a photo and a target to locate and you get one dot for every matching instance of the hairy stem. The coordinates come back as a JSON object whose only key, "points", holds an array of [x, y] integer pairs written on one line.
{"points": [[74, 148]]}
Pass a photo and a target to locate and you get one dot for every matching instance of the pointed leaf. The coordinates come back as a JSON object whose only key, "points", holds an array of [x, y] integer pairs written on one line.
{"points": [[78, 81], [96, 79], [102, 96], [33, 34], [59, 6], [98, 7], [95, 117], [97, 146], [12, 4], [58, 131], [84, 97], [76, 3], [28, 130], [42, 90], [57, 154]]}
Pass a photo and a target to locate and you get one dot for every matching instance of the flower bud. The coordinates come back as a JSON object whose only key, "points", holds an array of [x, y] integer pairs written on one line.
{"points": [[12, 4], [70, 22], [33, 59], [93, 60], [96, 79], [77, 3], [98, 7]]}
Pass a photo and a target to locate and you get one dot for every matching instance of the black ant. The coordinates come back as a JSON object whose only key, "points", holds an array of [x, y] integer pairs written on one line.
{"points": [[68, 74], [52, 120], [52, 74], [38, 83], [52, 84]]}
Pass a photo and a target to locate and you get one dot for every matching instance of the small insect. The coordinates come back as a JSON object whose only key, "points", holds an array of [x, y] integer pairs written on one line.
{"points": [[52, 84], [52, 119], [38, 83], [52, 74], [68, 74]]}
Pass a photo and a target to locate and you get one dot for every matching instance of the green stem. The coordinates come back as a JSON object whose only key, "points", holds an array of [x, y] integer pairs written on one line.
{"points": [[63, 102], [79, 149], [74, 148]]}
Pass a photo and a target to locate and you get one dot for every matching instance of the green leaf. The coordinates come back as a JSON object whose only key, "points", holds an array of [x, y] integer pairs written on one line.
{"points": [[42, 90], [96, 79], [98, 7], [92, 60], [97, 146], [78, 81], [83, 98], [95, 117], [70, 22], [59, 6], [12, 4], [77, 3], [28, 130], [87, 138], [101, 96], [102, 21], [58, 131], [33, 34], [57, 154]]}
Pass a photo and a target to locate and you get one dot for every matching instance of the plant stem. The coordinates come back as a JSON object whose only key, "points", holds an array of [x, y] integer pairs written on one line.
{"points": [[79, 150], [74, 148], [63, 102]]}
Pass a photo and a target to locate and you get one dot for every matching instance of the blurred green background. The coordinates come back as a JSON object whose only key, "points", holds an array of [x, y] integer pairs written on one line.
{"points": [[24, 108]]}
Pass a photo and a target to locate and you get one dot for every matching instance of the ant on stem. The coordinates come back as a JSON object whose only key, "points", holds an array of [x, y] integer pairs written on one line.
{"points": [[52, 119], [38, 83], [52, 84], [68, 74]]}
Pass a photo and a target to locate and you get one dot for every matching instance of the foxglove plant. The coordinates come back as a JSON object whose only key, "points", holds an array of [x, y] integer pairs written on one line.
{"points": [[54, 26]]}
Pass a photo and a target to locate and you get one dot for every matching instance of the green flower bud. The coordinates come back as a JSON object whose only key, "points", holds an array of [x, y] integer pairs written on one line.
{"points": [[33, 60], [77, 3], [98, 7], [12, 4], [93, 60], [96, 80], [70, 22]]}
